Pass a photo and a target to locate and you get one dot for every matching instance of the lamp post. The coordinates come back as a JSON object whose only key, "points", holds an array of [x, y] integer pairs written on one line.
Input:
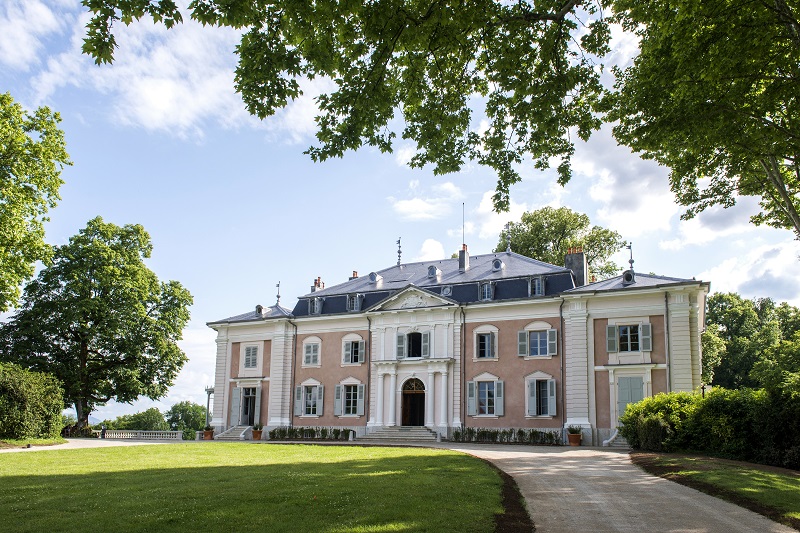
{"points": [[209, 392]]}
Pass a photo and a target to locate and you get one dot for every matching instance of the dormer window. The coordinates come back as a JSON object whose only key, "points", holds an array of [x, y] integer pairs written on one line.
{"points": [[486, 291], [314, 306], [536, 287], [354, 302], [498, 265], [374, 277], [433, 271]]}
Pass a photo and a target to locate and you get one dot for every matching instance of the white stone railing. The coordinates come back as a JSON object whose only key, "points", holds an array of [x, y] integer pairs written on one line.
{"points": [[142, 435]]}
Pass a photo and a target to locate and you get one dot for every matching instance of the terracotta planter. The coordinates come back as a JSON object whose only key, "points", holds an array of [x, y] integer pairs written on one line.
{"points": [[574, 439], [257, 434], [208, 435]]}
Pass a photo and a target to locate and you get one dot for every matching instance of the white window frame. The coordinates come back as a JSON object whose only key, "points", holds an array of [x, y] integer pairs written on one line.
{"points": [[486, 291], [536, 286], [353, 342], [313, 389], [255, 349], [485, 329], [426, 344], [312, 348], [315, 305], [532, 392], [340, 398], [524, 340], [354, 302], [473, 400], [644, 333]]}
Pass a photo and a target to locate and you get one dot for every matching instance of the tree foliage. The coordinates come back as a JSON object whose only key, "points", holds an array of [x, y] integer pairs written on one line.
{"points": [[30, 404], [547, 233], [100, 320], [186, 415], [715, 96], [712, 93], [32, 155], [752, 331], [147, 420]]}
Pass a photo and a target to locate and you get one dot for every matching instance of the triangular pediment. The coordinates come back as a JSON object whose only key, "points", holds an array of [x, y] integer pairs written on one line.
{"points": [[412, 297]]}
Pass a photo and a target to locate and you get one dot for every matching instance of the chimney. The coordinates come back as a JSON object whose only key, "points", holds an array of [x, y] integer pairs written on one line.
{"points": [[463, 259], [318, 285], [575, 260], [354, 276]]}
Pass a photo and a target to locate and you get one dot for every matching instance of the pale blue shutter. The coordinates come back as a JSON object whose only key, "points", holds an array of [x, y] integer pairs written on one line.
{"points": [[362, 352], [532, 397], [492, 345], [257, 419], [552, 342], [499, 394], [471, 404], [320, 398], [401, 346], [646, 338], [298, 401], [522, 343], [611, 338], [235, 403], [426, 344], [348, 352], [337, 400], [307, 354], [360, 404], [551, 397]]}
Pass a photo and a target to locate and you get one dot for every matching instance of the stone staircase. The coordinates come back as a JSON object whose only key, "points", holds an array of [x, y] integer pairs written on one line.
{"points": [[234, 434], [401, 433]]}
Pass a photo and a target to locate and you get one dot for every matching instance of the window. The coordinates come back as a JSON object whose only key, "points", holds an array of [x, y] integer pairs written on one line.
{"points": [[354, 302], [629, 338], [541, 395], [354, 352], [315, 306], [486, 291], [308, 400], [536, 287], [497, 264], [349, 400], [485, 398], [538, 343], [413, 345], [311, 354], [433, 271], [485, 346], [251, 357]]}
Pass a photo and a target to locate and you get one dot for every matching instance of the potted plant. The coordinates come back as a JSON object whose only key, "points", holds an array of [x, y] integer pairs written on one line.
{"points": [[574, 435], [208, 433], [257, 429]]}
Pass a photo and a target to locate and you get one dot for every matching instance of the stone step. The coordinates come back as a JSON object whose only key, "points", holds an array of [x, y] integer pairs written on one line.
{"points": [[233, 434], [401, 433]]}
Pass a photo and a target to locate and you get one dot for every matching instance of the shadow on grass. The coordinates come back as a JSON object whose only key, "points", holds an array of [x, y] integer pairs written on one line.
{"points": [[399, 493]]}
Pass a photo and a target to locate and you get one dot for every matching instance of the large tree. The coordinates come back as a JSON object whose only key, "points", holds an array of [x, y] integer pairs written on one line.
{"points": [[100, 320], [547, 233], [32, 155], [712, 94]]}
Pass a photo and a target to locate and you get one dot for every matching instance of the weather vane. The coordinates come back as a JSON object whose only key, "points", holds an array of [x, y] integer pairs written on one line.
{"points": [[279, 294], [508, 237], [399, 251]]}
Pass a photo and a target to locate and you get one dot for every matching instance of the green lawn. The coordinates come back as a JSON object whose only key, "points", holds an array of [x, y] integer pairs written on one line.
{"points": [[20, 443], [246, 487], [770, 491]]}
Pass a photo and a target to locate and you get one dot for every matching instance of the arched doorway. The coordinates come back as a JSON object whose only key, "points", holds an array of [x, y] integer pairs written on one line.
{"points": [[413, 403]]}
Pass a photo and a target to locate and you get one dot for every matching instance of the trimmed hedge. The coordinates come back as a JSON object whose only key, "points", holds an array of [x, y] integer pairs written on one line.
{"points": [[508, 436], [30, 404], [744, 424], [309, 433]]}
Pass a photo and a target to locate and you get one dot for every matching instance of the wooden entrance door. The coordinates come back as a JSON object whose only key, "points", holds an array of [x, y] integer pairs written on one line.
{"points": [[413, 403]]}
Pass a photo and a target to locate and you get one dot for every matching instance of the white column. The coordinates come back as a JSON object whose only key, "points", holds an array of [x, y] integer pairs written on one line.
{"points": [[443, 406], [392, 400], [379, 403], [429, 422]]}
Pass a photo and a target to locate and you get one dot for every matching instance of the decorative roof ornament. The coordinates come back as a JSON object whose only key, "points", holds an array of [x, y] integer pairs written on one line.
{"points": [[629, 277], [508, 237], [629, 246], [279, 294], [399, 251]]}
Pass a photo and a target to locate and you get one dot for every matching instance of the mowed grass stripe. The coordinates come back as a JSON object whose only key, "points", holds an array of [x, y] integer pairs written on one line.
{"points": [[246, 487]]}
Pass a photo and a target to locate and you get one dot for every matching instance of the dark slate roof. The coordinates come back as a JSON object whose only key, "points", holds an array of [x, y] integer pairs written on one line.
{"points": [[274, 311], [641, 281], [480, 269]]}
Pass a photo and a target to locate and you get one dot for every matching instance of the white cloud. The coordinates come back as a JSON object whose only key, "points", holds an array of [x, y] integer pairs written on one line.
{"points": [[22, 26], [763, 270], [491, 223], [715, 223], [403, 154], [468, 229], [431, 250], [435, 205]]}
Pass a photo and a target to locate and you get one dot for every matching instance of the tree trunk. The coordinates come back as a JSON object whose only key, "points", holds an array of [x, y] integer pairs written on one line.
{"points": [[772, 168]]}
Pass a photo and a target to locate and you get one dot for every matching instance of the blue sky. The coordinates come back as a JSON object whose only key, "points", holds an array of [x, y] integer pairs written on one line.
{"points": [[233, 206]]}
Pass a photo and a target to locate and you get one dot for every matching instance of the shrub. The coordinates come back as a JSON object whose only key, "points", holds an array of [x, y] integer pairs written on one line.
{"points": [[675, 409], [30, 404]]}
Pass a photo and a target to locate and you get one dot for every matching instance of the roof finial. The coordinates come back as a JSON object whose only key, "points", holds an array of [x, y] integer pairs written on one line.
{"points": [[508, 237], [399, 251], [278, 303], [629, 246]]}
